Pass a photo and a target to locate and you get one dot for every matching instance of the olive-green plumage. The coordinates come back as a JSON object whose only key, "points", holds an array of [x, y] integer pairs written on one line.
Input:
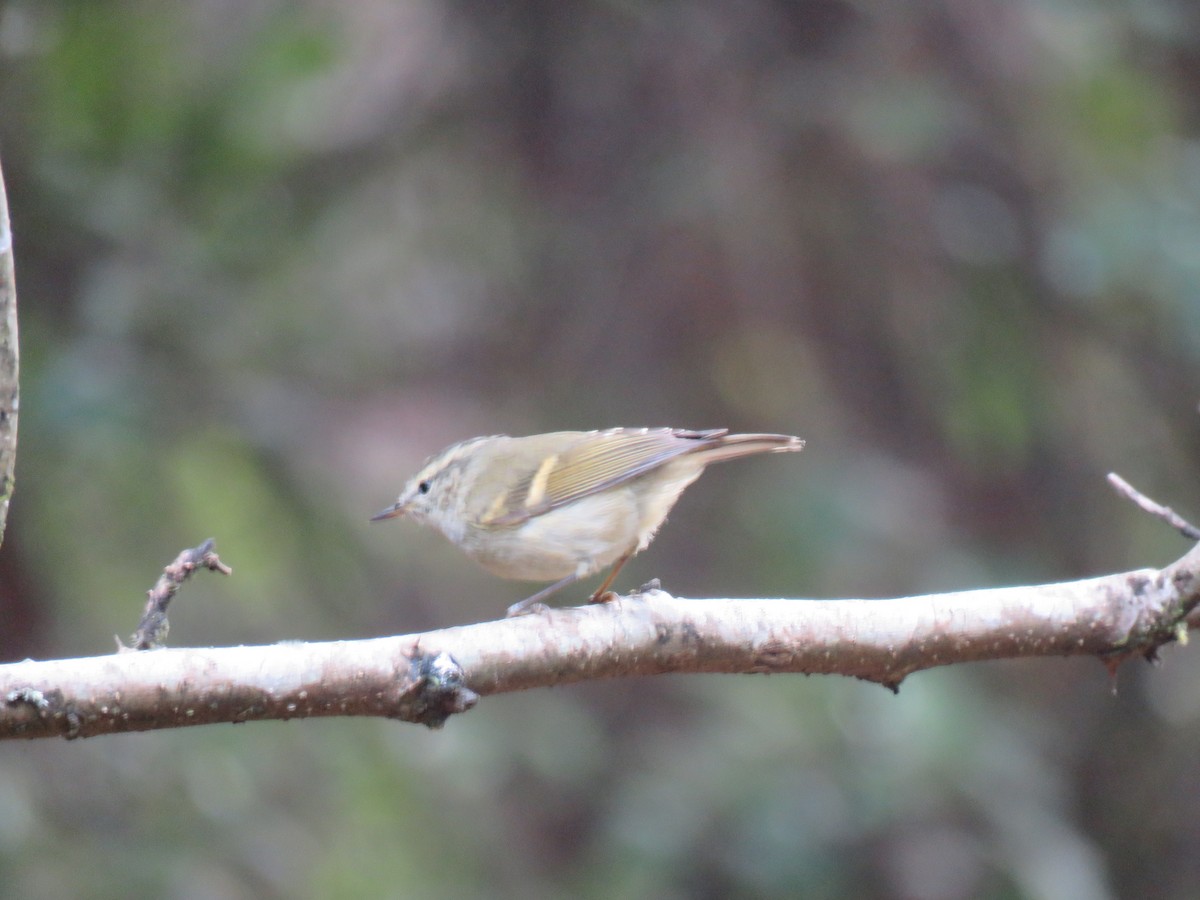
{"points": [[562, 506]]}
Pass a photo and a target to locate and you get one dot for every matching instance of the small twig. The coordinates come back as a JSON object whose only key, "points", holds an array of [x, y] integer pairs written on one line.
{"points": [[1168, 515], [152, 630]]}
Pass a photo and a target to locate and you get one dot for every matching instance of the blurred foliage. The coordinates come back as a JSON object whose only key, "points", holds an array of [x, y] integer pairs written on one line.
{"points": [[271, 255]]}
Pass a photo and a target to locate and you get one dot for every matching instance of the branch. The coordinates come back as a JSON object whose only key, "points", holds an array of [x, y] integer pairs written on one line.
{"points": [[152, 629], [427, 677], [1168, 515], [9, 358]]}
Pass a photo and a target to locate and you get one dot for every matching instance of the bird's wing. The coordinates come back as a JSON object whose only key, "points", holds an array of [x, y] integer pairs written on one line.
{"points": [[595, 462]]}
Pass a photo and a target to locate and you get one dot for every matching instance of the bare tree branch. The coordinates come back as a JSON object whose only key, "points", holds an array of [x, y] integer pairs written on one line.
{"points": [[1168, 515], [427, 677], [152, 629], [9, 361]]}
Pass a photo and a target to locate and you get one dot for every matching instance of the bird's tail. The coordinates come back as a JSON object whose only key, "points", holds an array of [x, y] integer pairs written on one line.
{"points": [[731, 446]]}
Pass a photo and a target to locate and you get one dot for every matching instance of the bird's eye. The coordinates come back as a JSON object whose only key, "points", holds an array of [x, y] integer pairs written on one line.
{"points": [[423, 487]]}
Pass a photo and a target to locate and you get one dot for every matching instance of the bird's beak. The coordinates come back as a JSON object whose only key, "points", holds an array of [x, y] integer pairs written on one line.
{"points": [[396, 509]]}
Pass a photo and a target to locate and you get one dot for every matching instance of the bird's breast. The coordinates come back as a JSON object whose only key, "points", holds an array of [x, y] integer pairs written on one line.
{"points": [[579, 538]]}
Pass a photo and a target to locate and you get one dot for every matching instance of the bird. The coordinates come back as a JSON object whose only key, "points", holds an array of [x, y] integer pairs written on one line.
{"points": [[564, 505]]}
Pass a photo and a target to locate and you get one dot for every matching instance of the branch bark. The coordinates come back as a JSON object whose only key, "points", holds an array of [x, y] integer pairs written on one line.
{"points": [[9, 359], [427, 677]]}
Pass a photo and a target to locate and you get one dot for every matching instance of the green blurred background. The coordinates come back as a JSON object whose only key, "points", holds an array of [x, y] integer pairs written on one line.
{"points": [[271, 255]]}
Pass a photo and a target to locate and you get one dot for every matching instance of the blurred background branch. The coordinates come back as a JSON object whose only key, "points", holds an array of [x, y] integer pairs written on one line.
{"points": [[9, 360]]}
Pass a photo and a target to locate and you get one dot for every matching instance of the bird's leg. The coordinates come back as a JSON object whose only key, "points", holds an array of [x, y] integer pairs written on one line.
{"points": [[602, 594], [534, 603]]}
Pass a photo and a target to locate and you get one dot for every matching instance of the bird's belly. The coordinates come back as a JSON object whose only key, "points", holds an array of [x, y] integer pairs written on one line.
{"points": [[577, 539]]}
